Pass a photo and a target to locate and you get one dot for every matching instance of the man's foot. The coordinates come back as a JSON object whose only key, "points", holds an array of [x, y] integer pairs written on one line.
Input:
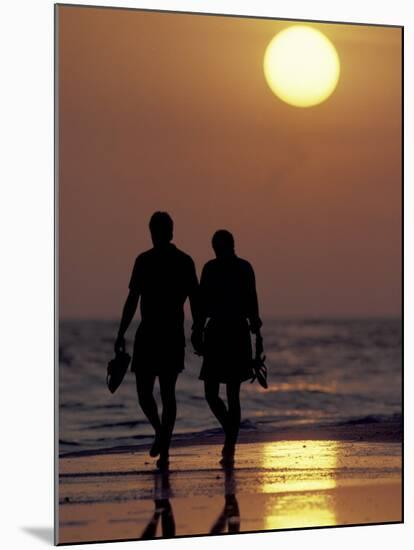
{"points": [[227, 454], [228, 448], [163, 462], [156, 445], [227, 461]]}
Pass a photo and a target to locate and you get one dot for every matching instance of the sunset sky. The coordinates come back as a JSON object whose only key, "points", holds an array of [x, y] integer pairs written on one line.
{"points": [[172, 112]]}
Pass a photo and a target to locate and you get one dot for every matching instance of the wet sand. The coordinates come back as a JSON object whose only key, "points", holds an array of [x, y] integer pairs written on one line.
{"points": [[277, 482]]}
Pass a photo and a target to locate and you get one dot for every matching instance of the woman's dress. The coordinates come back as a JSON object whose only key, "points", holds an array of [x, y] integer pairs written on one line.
{"points": [[228, 302]]}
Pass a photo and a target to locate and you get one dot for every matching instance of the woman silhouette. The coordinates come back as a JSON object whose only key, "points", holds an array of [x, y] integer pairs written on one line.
{"points": [[228, 300]]}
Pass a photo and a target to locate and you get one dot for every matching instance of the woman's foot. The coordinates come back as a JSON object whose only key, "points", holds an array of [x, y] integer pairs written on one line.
{"points": [[228, 449], [163, 462], [229, 446], [227, 454], [156, 445]]}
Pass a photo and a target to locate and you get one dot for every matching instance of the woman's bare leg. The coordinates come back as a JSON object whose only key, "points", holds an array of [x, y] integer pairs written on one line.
{"points": [[145, 388], [216, 404], [234, 414]]}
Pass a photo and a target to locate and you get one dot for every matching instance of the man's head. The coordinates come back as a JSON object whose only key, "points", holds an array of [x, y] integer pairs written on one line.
{"points": [[161, 227], [223, 243]]}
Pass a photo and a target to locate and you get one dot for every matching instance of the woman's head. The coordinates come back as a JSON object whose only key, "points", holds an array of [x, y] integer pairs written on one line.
{"points": [[223, 243]]}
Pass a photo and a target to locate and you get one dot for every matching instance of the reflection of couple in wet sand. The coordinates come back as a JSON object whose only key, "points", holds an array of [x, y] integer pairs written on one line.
{"points": [[224, 308], [229, 517]]}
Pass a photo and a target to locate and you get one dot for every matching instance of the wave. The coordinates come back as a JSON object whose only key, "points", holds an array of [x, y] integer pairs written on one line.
{"points": [[339, 371], [262, 431], [124, 424], [69, 443], [371, 419], [263, 425], [88, 407]]}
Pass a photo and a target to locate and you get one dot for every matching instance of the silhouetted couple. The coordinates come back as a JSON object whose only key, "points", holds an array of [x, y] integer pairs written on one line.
{"points": [[224, 308]]}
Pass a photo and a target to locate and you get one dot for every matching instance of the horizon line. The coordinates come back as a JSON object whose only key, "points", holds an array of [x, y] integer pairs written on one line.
{"points": [[287, 317]]}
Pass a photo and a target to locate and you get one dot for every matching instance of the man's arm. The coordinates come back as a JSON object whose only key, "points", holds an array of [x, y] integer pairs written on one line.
{"points": [[130, 306], [128, 313]]}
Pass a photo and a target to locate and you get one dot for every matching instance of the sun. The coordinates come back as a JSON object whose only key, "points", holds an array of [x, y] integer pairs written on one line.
{"points": [[301, 66]]}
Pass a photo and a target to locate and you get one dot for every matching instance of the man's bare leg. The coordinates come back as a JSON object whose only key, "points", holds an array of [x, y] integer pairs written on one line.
{"points": [[169, 413], [145, 390]]}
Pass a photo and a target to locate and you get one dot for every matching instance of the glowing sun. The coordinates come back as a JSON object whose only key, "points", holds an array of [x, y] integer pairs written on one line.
{"points": [[301, 66]]}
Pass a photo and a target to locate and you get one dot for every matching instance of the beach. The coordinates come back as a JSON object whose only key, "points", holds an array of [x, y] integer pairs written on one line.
{"points": [[320, 447], [294, 478], [229, 195]]}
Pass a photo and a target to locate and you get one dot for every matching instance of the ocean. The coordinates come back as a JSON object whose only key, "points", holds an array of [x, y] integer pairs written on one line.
{"points": [[326, 371]]}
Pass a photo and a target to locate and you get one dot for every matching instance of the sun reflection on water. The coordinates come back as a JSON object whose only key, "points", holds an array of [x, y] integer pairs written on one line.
{"points": [[299, 475]]}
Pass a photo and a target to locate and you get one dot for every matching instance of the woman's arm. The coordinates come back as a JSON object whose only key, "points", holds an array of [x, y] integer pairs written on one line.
{"points": [[194, 295], [200, 320], [252, 303]]}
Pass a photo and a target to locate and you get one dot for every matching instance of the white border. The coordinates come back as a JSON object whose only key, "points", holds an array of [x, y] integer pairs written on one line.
{"points": [[26, 217]]}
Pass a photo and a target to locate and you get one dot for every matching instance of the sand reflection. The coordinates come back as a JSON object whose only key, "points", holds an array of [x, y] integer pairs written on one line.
{"points": [[229, 517], [299, 475], [162, 509]]}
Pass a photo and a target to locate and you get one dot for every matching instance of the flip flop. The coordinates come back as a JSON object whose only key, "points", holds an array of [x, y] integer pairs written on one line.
{"points": [[116, 370], [260, 372]]}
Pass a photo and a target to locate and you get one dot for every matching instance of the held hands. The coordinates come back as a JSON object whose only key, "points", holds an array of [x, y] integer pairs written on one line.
{"points": [[119, 346]]}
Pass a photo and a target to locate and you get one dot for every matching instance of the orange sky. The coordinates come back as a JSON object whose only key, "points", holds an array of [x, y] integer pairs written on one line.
{"points": [[172, 112]]}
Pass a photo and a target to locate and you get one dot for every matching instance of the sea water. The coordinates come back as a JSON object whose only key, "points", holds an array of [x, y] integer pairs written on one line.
{"points": [[319, 371]]}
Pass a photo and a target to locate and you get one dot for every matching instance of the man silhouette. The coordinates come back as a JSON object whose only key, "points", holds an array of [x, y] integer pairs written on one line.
{"points": [[163, 278]]}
